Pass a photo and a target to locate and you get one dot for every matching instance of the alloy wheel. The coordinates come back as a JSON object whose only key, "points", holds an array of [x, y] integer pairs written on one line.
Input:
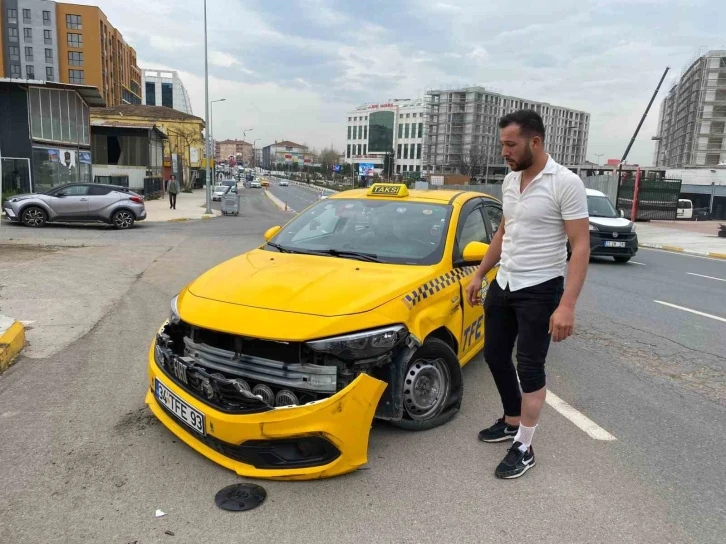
{"points": [[34, 217], [123, 220]]}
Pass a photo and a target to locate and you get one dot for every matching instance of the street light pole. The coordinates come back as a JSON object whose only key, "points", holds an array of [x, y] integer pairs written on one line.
{"points": [[598, 155], [208, 211]]}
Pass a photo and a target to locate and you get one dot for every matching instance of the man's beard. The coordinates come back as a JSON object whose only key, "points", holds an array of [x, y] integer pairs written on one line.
{"points": [[525, 163]]}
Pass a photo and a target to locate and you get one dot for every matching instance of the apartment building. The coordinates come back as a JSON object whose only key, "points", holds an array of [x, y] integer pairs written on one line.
{"points": [[238, 149], [462, 133], [69, 43], [692, 119]]}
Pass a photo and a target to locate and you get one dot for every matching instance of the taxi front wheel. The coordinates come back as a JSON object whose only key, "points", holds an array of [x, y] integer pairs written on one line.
{"points": [[432, 387]]}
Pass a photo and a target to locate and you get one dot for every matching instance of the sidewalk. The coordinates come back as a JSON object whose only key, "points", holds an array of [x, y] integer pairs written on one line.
{"points": [[694, 237], [189, 206]]}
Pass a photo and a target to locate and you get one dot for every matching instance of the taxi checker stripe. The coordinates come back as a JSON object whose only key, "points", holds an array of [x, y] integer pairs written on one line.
{"points": [[435, 285]]}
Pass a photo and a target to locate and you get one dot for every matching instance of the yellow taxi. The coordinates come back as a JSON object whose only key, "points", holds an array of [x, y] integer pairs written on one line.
{"points": [[265, 182], [274, 363]]}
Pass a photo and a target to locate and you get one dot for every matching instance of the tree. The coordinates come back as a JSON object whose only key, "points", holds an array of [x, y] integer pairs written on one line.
{"points": [[183, 138], [473, 161], [328, 158]]}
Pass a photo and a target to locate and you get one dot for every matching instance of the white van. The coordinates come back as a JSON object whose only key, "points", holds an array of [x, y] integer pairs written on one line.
{"points": [[685, 209]]}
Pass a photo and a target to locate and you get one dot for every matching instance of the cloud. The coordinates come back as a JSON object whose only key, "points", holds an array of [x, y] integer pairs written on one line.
{"points": [[293, 69]]}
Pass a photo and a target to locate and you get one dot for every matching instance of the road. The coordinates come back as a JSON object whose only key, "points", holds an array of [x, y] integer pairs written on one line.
{"points": [[297, 197], [84, 461]]}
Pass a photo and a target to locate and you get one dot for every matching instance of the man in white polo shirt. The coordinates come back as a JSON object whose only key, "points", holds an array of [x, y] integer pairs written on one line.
{"points": [[544, 204]]}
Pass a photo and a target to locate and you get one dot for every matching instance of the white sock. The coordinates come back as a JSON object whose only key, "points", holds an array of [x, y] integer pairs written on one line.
{"points": [[524, 436]]}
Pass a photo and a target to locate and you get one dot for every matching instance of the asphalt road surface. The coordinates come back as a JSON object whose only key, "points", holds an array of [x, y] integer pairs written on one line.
{"points": [[84, 461], [297, 197]]}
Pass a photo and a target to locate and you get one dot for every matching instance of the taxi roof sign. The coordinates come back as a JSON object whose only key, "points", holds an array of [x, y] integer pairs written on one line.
{"points": [[388, 189]]}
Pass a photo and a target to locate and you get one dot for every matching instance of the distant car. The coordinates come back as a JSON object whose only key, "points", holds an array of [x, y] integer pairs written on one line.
{"points": [[284, 183], [255, 184], [265, 182], [78, 203], [219, 191], [611, 235]]}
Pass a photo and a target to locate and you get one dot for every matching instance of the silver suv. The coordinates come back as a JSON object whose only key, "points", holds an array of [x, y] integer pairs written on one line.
{"points": [[78, 203]]}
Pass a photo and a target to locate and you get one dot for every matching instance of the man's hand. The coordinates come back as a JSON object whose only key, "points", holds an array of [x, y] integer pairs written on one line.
{"points": [[473, 291], [562, 323]]}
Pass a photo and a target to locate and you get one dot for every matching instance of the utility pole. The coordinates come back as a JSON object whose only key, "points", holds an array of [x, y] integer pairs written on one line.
{"points": [[208, 211]]}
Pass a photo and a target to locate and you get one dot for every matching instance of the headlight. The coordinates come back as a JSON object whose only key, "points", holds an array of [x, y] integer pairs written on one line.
{"points": [[632, 227], [593, 228], [362, 345], [174, 316]]}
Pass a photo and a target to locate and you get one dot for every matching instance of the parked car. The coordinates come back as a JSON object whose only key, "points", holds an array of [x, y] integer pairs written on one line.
{"points": [[78, 203], [219, 191]]}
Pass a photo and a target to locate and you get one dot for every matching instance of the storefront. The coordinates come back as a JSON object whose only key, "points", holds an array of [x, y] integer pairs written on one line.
{"points": [[46, 140]]}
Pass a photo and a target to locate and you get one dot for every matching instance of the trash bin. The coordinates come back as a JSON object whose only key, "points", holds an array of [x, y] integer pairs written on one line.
{"points": [[230, 204]]}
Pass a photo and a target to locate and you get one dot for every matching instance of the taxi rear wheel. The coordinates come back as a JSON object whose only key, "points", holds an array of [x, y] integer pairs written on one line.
{"points": [[432, 387]]}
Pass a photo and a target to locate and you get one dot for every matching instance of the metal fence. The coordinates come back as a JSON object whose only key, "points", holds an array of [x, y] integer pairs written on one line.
{"points": [[606, 184], [152, 187], [657, 198]]}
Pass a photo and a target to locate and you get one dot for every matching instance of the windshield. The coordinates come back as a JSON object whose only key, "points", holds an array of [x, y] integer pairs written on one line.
{"points": [[220, 188], [391, 231], [600, 206]]}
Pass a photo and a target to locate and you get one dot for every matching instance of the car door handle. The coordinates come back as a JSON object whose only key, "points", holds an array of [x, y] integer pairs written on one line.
{"points": [[84, 200]]}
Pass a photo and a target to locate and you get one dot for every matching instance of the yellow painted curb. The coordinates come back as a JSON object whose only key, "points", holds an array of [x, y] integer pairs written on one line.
{"points": [[718, 255], [179, 220], [12, 343], [673, 248]]}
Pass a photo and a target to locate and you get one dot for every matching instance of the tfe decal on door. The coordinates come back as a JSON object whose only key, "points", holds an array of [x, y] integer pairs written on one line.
{"points": [[473, 332]]}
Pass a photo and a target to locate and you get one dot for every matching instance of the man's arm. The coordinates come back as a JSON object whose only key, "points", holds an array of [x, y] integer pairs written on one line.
{"points": [[563, 320], [494, 253]]}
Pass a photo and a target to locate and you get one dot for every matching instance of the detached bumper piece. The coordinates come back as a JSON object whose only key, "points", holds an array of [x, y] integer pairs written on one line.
{"points": [[319, 439]]}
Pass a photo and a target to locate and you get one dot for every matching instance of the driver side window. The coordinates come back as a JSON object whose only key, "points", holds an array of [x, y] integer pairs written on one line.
{"points": [[473, 230]]}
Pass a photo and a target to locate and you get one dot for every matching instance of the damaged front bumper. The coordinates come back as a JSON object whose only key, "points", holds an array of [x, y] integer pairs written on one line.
{"points": [[320, 439]]}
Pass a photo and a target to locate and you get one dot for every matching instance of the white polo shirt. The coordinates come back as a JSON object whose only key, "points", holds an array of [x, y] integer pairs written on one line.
{"points": [[534, 248]]}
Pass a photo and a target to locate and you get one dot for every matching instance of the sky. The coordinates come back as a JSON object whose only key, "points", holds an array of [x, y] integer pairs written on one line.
{"points": [[291, 70]]}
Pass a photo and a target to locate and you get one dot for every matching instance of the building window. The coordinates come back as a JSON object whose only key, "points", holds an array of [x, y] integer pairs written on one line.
{"points": [[14, 52], [30, 71], [167, 95], [365, 133], [49, 73], [348, 152], [150, 93], [405, 151], [13, 16], [398, 153], [406, 130], [75, 58], [14, 71], [46, 18], [75, 40], [349, 127], [29, 54], [359, 149], [12, 34], [48, 55], [48, 37], [73, 22], [420, 130], [26, 16], [28, 34], [76, 76], [413, 130], [400, 130]]}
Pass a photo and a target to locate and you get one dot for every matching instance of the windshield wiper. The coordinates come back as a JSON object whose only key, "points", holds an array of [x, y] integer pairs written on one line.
{"points": [[370, 257], [280, 248]]}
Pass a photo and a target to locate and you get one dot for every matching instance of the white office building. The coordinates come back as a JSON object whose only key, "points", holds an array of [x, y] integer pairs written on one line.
{"points": [[164, 88], [394, 127]]}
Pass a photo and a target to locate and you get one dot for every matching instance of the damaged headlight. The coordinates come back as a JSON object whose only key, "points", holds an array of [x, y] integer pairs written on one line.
{"points": [[362, 345], [174, 315]]}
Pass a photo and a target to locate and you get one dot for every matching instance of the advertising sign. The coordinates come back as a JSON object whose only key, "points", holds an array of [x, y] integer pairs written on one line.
{"points": [[194, 155], [336, 168], [365, 169]]}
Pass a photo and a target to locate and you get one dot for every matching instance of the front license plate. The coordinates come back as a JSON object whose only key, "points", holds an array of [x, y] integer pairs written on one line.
{"points": [[188, 415], [614, 244]]}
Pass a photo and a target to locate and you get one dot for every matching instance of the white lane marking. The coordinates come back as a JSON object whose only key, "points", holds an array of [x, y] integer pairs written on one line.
{"points": [[635, 262], [702, 276], [717, 318], [683, 254], [580, 420]]}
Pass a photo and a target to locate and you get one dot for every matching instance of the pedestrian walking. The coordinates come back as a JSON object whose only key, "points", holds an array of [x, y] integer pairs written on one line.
{"points": [[544, 206], [173, 190]]}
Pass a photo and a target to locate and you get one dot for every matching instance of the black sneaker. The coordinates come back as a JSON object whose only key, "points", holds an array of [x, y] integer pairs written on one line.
{"points": [[515, 463], [499, 432]]}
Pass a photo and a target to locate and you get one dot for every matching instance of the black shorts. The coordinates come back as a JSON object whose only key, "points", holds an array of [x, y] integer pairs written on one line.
{"points": [[522, 316]]}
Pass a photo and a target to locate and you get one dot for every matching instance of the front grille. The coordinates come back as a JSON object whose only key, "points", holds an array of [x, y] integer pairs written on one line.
{"points": [[608, 235]]}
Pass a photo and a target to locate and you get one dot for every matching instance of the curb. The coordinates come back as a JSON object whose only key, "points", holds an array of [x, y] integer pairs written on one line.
{"points": [[676, 249], [279, 203], [12, 342]]}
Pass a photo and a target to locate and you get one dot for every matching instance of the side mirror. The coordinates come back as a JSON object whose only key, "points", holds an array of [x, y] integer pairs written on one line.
{"points": [[621, 213], [269, 233], [475, 251], [60, 195]]}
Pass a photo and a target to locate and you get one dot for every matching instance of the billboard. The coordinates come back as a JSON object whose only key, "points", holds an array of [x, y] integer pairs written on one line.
{"points": [[365, 169], [336, 168]]}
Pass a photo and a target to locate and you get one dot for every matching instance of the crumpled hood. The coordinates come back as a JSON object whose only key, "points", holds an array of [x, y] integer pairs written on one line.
{"points": [[307, 284]]}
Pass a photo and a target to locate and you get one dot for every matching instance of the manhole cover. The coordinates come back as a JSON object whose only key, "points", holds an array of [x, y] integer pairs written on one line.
{"points": [[240, 497]]}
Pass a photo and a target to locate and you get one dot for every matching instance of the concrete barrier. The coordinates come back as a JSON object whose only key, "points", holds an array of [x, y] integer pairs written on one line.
{"points": [[12, 341]]}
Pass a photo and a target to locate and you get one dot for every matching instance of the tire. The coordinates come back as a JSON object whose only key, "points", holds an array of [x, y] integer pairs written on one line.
{"points": [[433, 360], [621, 259], [123, 219], [34, 217], [722, 234]]}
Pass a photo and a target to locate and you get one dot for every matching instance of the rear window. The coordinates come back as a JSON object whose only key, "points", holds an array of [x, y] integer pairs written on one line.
{"points": [[99, 190], [685, 204]]}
